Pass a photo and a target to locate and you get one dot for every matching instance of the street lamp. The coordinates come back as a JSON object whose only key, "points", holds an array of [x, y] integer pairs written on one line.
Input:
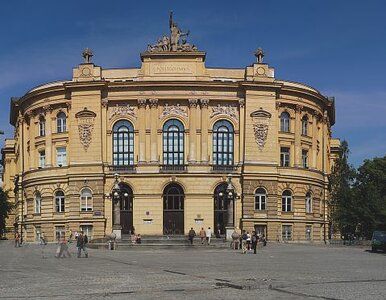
{"points": [[230, 195], [115, 195]]}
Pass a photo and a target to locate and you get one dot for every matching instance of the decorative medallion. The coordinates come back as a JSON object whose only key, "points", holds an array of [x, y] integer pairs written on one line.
{"points": [[229, 110], [260, 120], [85, 119], [122, 111], [173, 110]]}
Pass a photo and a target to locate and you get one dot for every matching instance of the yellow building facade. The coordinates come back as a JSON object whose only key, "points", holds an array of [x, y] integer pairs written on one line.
{"points": [[168, 134]]}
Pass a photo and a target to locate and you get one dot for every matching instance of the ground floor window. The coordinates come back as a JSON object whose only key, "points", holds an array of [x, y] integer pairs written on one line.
{"points": [[308, 232], [60, 232], [287, 232], [87, 230]]}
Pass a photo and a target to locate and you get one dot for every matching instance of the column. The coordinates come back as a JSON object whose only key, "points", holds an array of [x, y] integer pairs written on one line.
{"points": [[204, 129], [142, 129], [241, 131], [153, 129], [48, 119], [298, 145], [192, 129], [104, 102], [314, 140], [198, 132], [32, 134]]}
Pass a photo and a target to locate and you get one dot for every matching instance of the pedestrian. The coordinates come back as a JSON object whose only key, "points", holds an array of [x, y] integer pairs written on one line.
{"points": [[202, 235], [191, 235], [208, 234], [80, 243], [76, 235], [70, 236], [43, 243], [255, 240], [248, 241], [139, 239], [63, 248], [244, 242], [17, 239]]}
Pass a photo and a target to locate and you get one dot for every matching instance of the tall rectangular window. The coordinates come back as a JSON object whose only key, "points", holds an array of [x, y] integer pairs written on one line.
{"points": [[38, 203], [284, 157], [305, 158], [286, 232], [86, 200], [61, 156], [60, 232], [87, 230], [42, 159], [42, 127]]}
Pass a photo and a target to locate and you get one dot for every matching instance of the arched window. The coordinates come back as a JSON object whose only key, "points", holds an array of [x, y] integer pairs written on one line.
{"points": [[173, 143], [305, 125], [223, 143], [173, 213], [42, 126], [260, 199], [38, 203], [59, 201], [173, 197], [61, 122], [286, 201], [308, 203], [86, 200], [285, 122], [123, 143]]}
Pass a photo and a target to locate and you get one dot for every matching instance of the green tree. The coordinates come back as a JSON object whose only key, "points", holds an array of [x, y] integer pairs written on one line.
{"points": [[370, 190], [5, 208], [344, 213]]}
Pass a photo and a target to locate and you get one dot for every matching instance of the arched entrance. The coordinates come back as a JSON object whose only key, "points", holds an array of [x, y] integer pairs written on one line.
{"points": [[173, 202], [220, 208], [126, 207]]}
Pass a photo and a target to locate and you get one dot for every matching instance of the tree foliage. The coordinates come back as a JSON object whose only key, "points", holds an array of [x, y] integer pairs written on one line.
{"points": [[358, 198], [5, 208]]}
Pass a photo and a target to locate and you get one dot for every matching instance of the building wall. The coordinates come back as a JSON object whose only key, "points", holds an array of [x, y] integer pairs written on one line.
{"points": [[95, 99]]}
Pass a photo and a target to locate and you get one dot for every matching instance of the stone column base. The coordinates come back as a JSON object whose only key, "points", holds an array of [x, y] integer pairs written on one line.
{"points": [[228, 232], [118, 233]]}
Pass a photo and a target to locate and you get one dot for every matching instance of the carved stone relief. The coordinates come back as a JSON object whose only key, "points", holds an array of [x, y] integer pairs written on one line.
{"points": [[122, 111], [85, 119], [260, 119], [229, 110], [173, 110]]}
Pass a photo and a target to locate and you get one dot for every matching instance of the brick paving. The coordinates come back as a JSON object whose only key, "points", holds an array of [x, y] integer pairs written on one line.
{"points": [[278, 271]]}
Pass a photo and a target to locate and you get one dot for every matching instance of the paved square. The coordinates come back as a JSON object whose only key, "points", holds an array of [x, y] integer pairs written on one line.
{"points": [[278, 271]]}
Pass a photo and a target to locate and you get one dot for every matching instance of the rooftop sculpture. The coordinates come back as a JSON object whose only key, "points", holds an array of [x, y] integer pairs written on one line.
{"points": [[172, 43]]}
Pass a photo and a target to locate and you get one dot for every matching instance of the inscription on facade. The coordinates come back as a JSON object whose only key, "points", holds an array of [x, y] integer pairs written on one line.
{"points": [[172, 69]]}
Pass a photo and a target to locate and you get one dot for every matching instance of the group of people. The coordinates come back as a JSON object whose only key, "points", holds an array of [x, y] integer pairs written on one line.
{"points": [[247, 242], [136, 238], [205, 235]]}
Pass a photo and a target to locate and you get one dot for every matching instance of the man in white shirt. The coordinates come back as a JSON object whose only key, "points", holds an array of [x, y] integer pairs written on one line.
{"points": [[208, 235]]}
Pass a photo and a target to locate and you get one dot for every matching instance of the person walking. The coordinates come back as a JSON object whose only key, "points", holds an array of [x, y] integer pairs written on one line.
{"points": [[63, 248], [248, 241], [244, 242], [81, 245], [202, 235], [43, 243], [255, 240], [17, 239], [191, 235], [208, 234]]}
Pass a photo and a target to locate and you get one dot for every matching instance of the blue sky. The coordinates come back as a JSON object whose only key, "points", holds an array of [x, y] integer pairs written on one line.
{"points": [[338, 47]]}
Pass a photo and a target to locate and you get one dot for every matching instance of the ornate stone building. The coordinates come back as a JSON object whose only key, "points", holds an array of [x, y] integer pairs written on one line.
{"points": [[150, 148]]}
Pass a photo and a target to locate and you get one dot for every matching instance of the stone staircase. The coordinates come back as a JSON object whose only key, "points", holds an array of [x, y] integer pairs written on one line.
{"points": [[159, 242]]}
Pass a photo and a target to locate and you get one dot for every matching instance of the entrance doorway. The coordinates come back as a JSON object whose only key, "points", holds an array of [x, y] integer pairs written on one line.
{"points": [[173, 201], [126, 207], [220, 209]]}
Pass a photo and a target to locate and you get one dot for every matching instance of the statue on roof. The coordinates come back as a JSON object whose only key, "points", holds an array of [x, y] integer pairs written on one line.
{"points": [[172, 43]]}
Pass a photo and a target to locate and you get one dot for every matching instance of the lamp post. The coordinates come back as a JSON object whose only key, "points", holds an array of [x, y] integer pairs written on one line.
{"points": [[116, 195], [231, 196]]}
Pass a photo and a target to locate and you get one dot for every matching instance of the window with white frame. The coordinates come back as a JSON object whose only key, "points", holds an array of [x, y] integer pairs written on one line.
{"points": [[308, 203], [42, 126], [38, 203], [305, 158], [42, 159], [308, 232], [59, 201], [86, 200], [260, 199], [286, 232], [305, 125], [284, 156], [87, 230], [286, 201], [61, 156], [223, 143], [61, 122], [60, 232], [285, 122]]}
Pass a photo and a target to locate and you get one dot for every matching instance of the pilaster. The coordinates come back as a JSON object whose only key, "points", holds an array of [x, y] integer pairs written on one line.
{"points": [[204, 130], [153, 129], [48, 150], [192, 129], [142, 130], [298, 150]]}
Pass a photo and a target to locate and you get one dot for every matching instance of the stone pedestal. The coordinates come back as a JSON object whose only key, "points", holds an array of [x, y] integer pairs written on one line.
{"points": [[228, 233], [118, 233]]}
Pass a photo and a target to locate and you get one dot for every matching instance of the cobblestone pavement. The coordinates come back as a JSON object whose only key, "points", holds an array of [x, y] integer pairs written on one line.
{"points": [[278, 271]]}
